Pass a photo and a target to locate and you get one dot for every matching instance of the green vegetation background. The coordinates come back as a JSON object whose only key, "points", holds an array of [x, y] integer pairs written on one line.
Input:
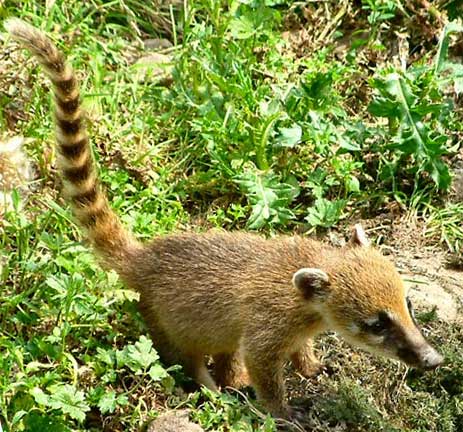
{"points": [[276, 116]]}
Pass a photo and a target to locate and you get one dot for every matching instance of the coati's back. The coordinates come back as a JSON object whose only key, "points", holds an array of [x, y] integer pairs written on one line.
{"points": [[205, 287]]}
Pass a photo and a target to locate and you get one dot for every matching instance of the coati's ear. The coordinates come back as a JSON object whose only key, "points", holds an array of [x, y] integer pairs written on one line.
{"points": [[311, 281], [358, 237]]}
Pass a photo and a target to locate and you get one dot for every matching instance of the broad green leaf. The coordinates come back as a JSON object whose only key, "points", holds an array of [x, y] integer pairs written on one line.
{"points": [[105, 356], [35, 421], [444, 40], [69, 400], [440, 174], [352, 184], [157, 372], [289, 137], [325, 213], [40, 397], [17, 417], [107, 403], [348, 144], [382, 107], [242, 28], [268, 197], [414, 136], [138, 357]]}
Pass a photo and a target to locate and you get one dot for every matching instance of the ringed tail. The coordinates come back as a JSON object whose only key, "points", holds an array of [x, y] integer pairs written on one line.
{"points": [[82, 187]]}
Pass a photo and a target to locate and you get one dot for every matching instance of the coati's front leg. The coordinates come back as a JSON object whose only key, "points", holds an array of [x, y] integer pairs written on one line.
{"points": [[265, 367], [305, 361]]}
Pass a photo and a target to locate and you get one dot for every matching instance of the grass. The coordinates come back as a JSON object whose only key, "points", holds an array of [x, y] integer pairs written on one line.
{"points": [[257, 131]]}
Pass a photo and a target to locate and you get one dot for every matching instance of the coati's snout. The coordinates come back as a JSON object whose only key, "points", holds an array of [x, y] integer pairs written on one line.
{"points": [[393, 334], [422, 357], [388, 334], [412, 347]]}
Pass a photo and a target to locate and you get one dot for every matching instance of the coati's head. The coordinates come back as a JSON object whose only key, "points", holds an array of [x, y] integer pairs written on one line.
{"points": [[362, 297]]}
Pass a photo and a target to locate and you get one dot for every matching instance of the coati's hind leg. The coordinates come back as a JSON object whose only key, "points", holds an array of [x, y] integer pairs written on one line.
{"points": [[305, 361], [193, 364], [229, 371]]}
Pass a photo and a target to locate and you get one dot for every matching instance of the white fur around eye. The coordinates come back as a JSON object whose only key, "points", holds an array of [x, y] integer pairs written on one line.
{"points": [[371, 321], [354, 328]]}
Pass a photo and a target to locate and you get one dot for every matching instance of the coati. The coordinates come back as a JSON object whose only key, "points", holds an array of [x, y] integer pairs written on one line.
{"points": [[249, 302]]}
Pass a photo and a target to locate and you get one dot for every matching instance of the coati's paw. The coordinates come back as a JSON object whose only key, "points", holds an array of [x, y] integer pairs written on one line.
{"points": [[311, 369], [238, 381], [241, 380]]}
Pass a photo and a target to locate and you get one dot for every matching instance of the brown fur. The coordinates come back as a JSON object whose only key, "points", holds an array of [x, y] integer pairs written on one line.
{"points": [[243, 299]]}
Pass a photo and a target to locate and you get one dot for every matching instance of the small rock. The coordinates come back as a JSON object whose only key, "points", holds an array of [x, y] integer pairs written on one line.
{"points": [[154, 67], [156, 44], [16, 171], [174, 421], [431, 294]]}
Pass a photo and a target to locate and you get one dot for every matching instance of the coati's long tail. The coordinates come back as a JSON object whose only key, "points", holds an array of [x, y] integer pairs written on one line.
{"points": [[82, 187]]}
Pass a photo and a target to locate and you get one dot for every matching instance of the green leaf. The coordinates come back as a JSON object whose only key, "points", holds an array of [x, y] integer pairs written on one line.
{"points": [[107, 403], [352, 184], [268, 197], [35, 421], [399, 101], [69, 400], [242, 28], [17, 417], [289, 137], [40, 397], [325, 213], [348, 144], [261, 140], [440, 174], [157, 372], [381, 107], [56, 283], [106, 356], [138, 357], [444, 40]]}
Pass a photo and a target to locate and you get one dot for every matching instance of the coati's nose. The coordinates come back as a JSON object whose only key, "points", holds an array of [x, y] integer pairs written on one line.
{"points": [[431, 359]]}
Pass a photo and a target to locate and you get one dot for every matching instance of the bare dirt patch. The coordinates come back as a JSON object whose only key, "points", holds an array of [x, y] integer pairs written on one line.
{"points": [[174, 421], [426, 271]]}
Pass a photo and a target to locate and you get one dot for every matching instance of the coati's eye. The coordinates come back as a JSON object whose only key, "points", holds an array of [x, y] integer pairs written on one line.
{"points": [[379, 325]]}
